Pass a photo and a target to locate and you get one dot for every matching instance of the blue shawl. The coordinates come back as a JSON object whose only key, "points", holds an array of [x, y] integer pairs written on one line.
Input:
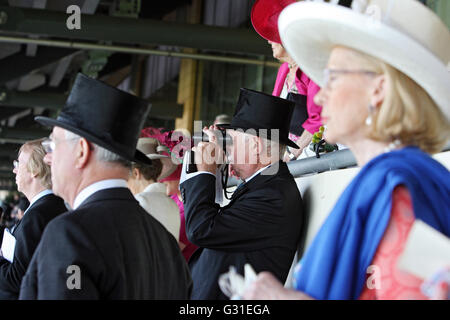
{"points": [[335, 265]]}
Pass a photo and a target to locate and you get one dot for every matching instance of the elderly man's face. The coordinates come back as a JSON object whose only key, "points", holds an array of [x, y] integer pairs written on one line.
{"points": [[242, 155], [62, 162], [23, 176]]}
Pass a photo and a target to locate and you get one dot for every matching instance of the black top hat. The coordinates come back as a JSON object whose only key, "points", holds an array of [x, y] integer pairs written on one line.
{"points": [[104, 115], [257, 110]]}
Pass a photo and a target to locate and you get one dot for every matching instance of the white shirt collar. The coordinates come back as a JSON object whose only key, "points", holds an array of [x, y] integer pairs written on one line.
{"points": [[256, 173], [97, 186], [38, 196]]}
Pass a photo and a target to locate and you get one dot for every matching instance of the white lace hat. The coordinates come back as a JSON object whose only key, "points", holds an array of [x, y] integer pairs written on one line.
{"points": [[403, 33]]}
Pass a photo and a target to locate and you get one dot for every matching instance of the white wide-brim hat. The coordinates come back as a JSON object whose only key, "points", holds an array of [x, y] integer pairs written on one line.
{"points": [[403, 33], [152, 148]]}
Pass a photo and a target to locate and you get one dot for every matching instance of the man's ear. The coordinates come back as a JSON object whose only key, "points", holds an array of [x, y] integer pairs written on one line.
{"points": [[83, 153], [379, 90]]}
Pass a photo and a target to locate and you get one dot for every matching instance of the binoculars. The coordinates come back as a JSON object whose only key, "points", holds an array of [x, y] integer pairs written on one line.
{"points": [[224, 140]]}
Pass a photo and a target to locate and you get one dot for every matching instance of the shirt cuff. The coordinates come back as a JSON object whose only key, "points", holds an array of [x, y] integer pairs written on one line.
{"points": [[192, 175]]}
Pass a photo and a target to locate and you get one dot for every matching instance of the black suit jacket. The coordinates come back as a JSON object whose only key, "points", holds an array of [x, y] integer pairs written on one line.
{"points": [[113, 249], [261, 225], [28, 233]]}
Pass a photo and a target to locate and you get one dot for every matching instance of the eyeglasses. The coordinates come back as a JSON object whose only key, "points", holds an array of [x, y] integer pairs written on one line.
{"points": [[50, 144], [15, 164], [329, 75]]}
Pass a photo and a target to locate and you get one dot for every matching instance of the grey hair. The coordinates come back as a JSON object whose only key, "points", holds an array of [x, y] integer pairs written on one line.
{"points": [[101, 154]]}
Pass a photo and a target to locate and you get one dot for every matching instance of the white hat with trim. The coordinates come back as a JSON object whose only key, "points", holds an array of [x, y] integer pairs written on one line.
{"points": [[403, 33]]}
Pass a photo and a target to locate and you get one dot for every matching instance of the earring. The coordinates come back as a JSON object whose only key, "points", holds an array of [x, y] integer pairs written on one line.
{"points": [[369, 117]]}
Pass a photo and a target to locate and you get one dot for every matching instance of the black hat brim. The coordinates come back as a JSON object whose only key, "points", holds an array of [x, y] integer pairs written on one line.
{"points": [[287, 141], [138, 156]]}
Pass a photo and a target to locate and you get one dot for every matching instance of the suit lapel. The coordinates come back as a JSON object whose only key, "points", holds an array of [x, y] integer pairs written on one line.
{"points": [[256, 181]]}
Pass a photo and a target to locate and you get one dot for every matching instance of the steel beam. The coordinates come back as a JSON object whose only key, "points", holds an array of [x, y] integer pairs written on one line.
{"points": [[133, 31], [18, 65], [9, 151], [6, 171], [5, 176], [139, 50], [20, 135], [55, 101]]}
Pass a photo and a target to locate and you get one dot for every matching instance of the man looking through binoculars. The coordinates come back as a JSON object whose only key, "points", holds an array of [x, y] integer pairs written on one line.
{"points": [[261, 224]]}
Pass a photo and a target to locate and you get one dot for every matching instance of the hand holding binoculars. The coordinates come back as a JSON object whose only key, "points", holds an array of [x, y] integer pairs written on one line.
{"points": [[217, 136]]}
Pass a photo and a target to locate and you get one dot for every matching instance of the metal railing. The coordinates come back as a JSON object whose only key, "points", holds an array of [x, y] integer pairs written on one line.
{"points": [[327, 162]]}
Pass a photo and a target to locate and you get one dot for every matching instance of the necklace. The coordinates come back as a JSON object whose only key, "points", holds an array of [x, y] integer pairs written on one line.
{"points": [[291, 87], [396, 144]]}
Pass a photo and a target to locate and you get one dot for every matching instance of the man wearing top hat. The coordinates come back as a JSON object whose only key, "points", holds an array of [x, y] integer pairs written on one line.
{"points": [[262, 223], [107, 246]]}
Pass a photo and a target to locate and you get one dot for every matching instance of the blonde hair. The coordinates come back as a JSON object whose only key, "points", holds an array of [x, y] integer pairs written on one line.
{"points": [[36, 164], [407, 113]]}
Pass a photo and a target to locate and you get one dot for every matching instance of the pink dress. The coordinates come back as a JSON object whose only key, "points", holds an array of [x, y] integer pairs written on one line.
{"points": [[189, 247]]}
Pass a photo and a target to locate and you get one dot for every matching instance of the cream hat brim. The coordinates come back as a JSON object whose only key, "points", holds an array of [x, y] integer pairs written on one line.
{"points": [[146, 145], [310, 30]]}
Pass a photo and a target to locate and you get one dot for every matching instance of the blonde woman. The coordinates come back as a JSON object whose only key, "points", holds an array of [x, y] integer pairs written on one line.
{"points": [[385, 94]]}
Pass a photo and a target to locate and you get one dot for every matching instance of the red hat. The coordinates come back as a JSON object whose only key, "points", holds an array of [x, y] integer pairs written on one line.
{"points": [[265, 17]]}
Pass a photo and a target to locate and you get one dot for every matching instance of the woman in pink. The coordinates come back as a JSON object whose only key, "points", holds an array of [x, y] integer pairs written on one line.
{"points": [[172, 183], [291, 83], [175, 150]]}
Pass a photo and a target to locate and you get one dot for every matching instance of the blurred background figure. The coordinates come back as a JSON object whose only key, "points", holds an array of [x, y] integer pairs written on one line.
{"points": [[151, 194], [176, 143], [4, 220], [21, 207], [18, 211], [222, 119], [291, 82]]}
